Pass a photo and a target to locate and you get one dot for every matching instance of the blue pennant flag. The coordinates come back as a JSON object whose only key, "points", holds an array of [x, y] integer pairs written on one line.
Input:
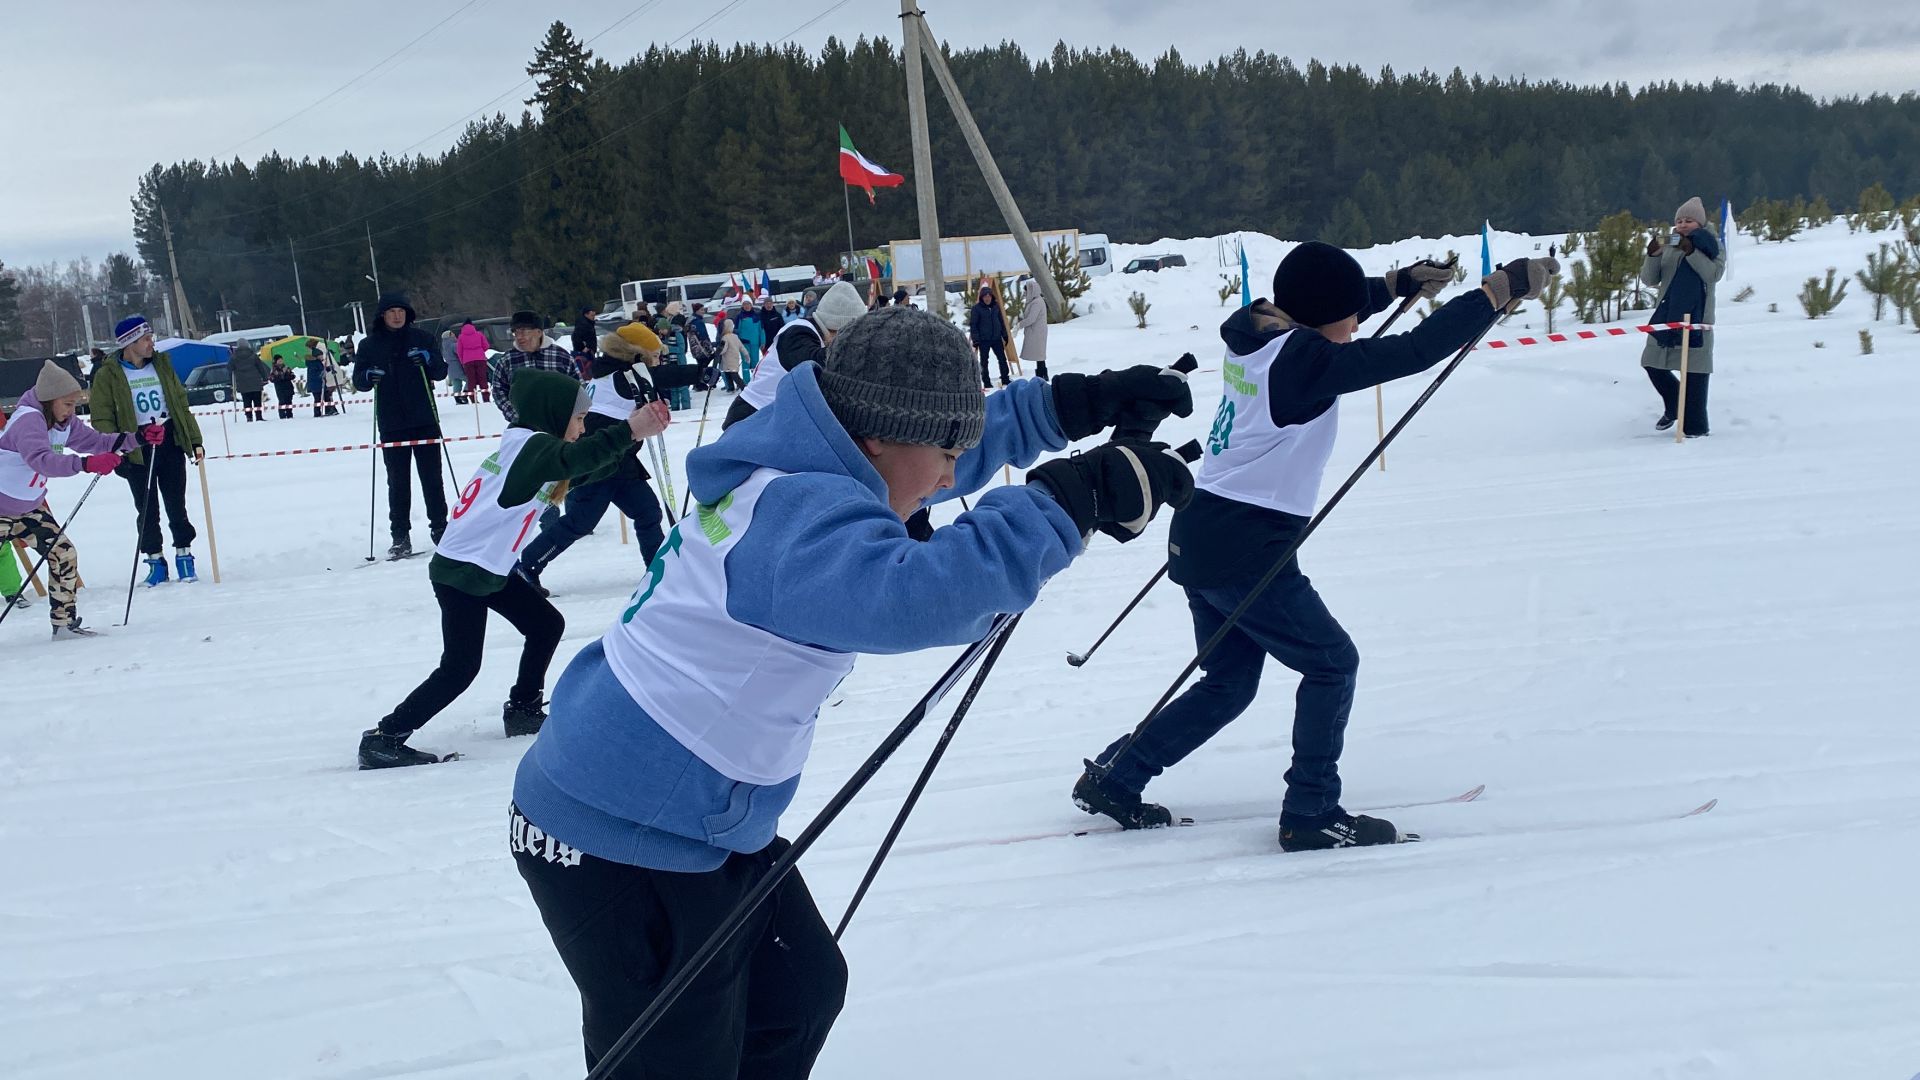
{"points": [[1486, 248], [1246, 278]]}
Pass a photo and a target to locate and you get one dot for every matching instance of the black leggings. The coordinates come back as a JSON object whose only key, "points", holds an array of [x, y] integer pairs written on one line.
{"points": [[169, 463], [463, 633], [251, 398], [1668, 384], [760, 1011]]}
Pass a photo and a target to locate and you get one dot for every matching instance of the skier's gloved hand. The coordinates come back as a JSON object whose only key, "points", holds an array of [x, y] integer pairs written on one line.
{"points": [[1653, 247], [374, 375], [1424, 279], [153, 434], [1518, 280], [1117, 487], [420, 356], [1137, 398], [101, 464], [649, 420]]}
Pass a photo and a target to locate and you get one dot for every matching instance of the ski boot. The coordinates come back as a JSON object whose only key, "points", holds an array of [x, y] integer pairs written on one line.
{"points": [[1345, 830], [402, 549], [183, 565], [73, 629], [380, 750], [1664, 423], [21, 599], [156, 571], [1096, 793], [523, 716]]}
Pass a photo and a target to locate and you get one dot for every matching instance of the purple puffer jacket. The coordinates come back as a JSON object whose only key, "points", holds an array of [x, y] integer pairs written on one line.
{"points": [[26, 436]]}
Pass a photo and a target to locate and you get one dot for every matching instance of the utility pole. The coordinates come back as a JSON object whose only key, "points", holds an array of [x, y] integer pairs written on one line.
{"points": [[86, 316], [299, 297], [1010, 210], [912, 26], [179, 289], [375, 263]]}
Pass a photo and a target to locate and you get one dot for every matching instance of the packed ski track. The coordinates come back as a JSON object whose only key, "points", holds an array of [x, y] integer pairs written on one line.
{"points": [[1604, 628]]}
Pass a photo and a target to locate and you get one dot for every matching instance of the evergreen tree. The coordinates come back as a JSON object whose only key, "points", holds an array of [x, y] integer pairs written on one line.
{"points": [[11, 330], [564, 242]]}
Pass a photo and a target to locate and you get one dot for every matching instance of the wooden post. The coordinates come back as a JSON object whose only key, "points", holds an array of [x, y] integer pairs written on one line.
{"points": [[475, 398], [623, 527], [1686, 339], [206, 507], [223, 431], [1380, 421], [930, 260], [1010, 210]]}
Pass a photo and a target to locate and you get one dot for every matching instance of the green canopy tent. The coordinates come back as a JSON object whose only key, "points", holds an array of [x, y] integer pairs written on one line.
{"points": [[296, 350]]}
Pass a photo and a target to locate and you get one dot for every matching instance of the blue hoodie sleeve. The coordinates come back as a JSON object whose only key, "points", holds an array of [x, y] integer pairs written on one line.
{"points": [[826, 563], [1021, 425]]}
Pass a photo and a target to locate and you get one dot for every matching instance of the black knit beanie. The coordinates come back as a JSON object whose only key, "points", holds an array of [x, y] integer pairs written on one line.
{"points": [[1318, 284]]}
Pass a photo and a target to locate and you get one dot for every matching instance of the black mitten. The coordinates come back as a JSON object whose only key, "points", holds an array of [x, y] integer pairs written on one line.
{"points": [[1136, 398], [1118, 487]]}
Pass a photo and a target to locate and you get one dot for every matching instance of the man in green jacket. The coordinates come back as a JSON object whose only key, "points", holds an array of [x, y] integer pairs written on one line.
{"points": [[136, 391]]}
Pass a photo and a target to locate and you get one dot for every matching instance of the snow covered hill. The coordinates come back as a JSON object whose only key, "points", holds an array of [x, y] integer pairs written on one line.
{"points": [[1605, 628]]}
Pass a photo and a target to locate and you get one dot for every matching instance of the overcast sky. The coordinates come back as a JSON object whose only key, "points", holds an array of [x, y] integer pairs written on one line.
{"points": [[92, 95]]}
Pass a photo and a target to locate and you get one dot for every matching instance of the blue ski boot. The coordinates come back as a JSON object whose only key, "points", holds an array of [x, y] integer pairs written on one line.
{"points": [[156, 571], [183, 565]]}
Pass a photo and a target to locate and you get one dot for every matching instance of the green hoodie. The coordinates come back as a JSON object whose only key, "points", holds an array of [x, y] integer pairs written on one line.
{"points": [[546, 402]]}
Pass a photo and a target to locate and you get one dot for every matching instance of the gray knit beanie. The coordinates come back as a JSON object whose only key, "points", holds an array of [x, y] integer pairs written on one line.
{"points": [[840, 306], [54, 382], [902, 375], [1693, 209]]}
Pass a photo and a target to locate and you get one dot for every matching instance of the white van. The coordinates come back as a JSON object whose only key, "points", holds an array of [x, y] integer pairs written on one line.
{"points": [[1096, 254]]}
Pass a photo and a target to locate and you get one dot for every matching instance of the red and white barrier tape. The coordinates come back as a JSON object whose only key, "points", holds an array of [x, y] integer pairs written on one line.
{"points": [[1591, 335], [235, 406], [358, 446]]}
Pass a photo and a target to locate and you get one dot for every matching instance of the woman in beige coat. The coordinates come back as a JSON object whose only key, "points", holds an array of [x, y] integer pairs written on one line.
{"points": [[730, 357], [1686, 270], [1033, 327]]}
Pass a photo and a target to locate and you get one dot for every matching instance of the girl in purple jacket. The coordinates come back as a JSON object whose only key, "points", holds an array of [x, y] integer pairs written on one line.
{"points": [[43, 425]]}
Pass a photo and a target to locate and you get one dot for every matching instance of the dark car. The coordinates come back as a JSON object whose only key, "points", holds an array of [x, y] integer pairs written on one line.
{"points": [[1153, 262], [209, 384]]}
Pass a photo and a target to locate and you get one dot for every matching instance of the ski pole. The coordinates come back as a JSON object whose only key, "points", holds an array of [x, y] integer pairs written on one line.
{"points": [[6, 609], [373, 480], [1077, 659], [698, 438], [784, 865], [1293, 549], [666, 485], [920, 784], [139, 526]]}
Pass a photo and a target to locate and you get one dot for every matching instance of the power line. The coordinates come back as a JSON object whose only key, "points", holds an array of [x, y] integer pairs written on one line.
{"points": [[343, 87]]}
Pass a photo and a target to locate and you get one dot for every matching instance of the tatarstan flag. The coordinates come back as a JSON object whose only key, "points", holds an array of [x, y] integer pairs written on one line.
{"points": [[855, 169]]}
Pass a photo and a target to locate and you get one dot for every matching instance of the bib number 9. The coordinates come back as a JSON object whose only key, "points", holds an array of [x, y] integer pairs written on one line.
{"points": [[465, 504]]}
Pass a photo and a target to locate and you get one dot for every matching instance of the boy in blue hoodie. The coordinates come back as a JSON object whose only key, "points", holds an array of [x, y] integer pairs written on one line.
{"points": [[650, 802]]}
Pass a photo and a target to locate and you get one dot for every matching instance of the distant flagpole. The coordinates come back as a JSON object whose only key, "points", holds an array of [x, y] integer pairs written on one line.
{"points": [[1726, 234]]}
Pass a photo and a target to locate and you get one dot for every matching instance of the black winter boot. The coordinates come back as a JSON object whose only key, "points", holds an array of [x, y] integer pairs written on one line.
{"points": [[1347, 830], [1096, 794], [523, 715], [379, 750]]}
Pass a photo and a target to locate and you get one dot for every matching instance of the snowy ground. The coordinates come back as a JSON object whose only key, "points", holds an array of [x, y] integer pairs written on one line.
{"points": [[1603, 627]]}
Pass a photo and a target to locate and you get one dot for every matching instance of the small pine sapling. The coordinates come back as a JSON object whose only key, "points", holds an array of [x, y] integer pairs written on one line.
{"points": [[1228, 287], [1866, 342], [1818, 298], [1138, 302]]}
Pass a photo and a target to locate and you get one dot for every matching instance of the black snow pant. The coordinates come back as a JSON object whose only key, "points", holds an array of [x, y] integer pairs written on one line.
{"points": [[1668, 384], [463, 634], [1290, 623], [284, 393], [1000, 351], [426, 461], [760, 1011], [169, 463], [251, 401], [586, 504]]}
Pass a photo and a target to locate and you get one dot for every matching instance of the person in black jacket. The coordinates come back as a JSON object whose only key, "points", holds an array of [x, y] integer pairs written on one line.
{"points": [[282, 379], [797, 342], [585, 333], [988, 330], [1288, 362], [400, 362]]}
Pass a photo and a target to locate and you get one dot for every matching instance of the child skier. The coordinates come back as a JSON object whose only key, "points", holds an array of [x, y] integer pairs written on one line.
{"points": [[137, 392], [650, 802], [1288, 362], [473, 563], [620, 383], [41, 424]]}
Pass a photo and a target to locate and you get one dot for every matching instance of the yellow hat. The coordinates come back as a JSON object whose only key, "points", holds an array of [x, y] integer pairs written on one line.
{"points": [[640, 337]]}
